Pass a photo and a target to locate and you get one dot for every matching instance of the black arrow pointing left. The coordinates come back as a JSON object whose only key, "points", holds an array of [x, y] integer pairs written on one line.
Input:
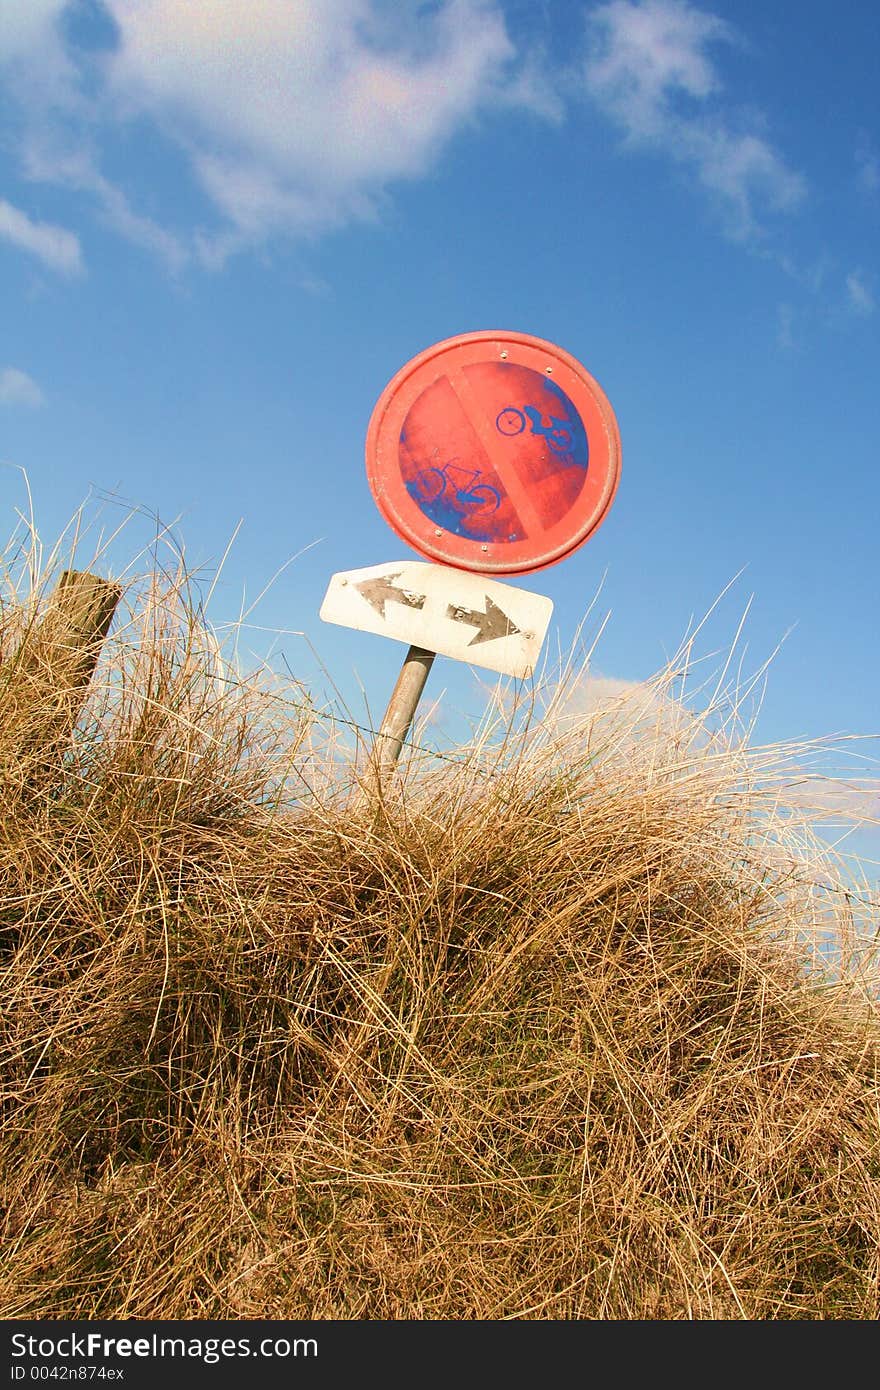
{"points": [[380, 591]]}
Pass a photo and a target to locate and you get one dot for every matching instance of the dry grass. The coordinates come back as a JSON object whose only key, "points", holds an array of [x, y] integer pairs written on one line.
{"points": [[547, 1039]]}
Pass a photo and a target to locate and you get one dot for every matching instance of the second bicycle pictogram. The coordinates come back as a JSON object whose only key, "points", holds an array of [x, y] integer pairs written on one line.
{"points": [[457, 484]]}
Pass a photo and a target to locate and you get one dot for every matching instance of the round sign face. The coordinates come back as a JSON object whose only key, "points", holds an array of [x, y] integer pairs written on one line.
{"points": [[494, 452]]}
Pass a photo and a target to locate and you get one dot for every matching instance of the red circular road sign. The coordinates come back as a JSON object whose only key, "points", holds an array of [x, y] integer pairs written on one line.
{"points": [[494, 452]]}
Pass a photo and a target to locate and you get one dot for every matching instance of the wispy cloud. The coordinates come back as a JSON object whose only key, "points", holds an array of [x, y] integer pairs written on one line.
{"points": [[17, 388], [860, 294], [296, 117], [75, 167], [785, 335], [867, 166], [31, 45], [292, 118], [56, 247], [651, 71], [852, 798]]}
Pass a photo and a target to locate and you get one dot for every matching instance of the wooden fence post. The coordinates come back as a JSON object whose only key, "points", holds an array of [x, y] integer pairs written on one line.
{"points": [[44, 685]]}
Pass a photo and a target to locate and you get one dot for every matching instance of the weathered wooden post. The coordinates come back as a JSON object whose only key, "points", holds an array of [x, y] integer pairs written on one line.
{"points": [[43, 686]]}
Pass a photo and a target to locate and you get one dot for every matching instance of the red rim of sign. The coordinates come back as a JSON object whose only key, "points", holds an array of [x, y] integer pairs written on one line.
{"points": [[468, 473]]}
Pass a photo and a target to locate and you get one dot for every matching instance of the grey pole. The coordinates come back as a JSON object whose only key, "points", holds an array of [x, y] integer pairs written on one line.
{"points": [[399, 714]]}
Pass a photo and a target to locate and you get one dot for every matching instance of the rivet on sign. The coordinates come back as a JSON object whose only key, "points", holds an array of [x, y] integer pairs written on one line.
{"points": [[504, 354], [438, 533], [343, 582], [549, 371], [484, 547]]}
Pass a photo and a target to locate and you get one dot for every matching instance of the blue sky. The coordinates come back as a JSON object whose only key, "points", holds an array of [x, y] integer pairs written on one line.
{"points": [[226, 224]]}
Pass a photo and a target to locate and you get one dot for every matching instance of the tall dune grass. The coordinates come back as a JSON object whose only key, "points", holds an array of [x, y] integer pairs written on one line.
{"points": [[553, 1033]]}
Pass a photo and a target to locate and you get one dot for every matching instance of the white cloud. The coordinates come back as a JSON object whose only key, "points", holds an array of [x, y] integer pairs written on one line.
{"points": [[855, 799], [619, 712], [30, 30], [860, 295], [647, 54], [651, 72], [17, 388], [26, 27], [296, 117], [56, 247]]}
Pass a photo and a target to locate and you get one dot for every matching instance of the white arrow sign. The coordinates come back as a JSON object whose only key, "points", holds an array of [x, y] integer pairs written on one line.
{"points": [[443, 610]]}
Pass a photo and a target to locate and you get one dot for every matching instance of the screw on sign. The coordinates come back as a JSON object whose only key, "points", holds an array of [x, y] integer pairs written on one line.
{"points": [[494, 452]]}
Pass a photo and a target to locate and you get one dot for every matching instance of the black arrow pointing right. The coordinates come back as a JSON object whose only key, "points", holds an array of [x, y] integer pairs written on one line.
{"points": [[491, 625]]}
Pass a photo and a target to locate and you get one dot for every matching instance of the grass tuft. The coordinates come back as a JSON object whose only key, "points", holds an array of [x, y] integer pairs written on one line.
{"points": [[559, 1034]]}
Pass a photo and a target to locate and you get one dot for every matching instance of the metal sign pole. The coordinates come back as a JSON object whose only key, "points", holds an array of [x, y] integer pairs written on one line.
{"points": [[399, 714]]}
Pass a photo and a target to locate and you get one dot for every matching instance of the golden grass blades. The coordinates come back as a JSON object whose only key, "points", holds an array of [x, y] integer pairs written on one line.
{"points": [[564, 1040]]}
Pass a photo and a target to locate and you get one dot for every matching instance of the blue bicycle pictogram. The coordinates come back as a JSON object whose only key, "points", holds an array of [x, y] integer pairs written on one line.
{"points": [[511, 420], [431, 484]]}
